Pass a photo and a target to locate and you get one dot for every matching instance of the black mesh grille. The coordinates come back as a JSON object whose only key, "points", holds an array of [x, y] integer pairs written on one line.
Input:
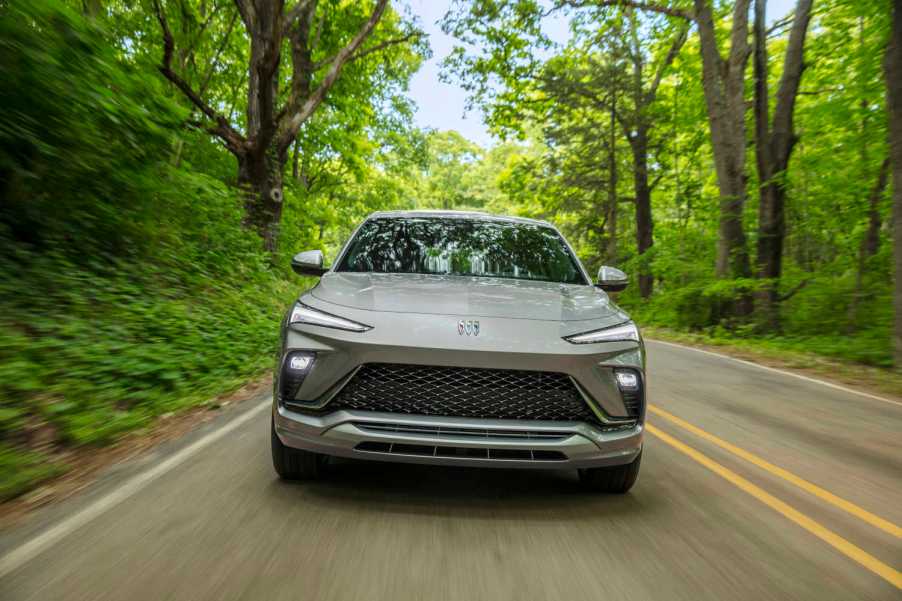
{"points": [[463, 392]]}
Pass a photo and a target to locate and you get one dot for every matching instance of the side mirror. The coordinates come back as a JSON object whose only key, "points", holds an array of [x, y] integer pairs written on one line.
{"points": [[611, 279], [309, 262]]}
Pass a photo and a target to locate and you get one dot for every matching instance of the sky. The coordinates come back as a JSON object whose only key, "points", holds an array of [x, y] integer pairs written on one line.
{"points": [[443, 105]]}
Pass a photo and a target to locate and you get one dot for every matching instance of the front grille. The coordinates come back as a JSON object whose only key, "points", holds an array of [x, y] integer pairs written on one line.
{"points": [[463, 392]]}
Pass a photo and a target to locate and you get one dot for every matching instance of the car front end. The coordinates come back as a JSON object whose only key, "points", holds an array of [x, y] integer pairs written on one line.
{"points": [[460, 370]]}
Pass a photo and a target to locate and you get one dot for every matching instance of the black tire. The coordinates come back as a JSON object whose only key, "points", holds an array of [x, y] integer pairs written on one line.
{"points": [[295, 464], [615, 480]]}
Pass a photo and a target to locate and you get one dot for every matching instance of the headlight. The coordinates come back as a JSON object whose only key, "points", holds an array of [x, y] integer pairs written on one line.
{"points": [[625, 332], [301, 313]]}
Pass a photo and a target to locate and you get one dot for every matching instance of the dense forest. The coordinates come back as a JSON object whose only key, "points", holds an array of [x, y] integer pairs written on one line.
{"points": [[162, 160]]}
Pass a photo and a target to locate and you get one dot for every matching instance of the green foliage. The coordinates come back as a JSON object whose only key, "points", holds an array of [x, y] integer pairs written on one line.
{"points": [[557, 99], [128, 287], [21, 470], [77, 127]]}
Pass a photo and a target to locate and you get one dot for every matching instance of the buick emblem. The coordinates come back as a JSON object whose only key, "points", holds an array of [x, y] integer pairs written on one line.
{"points": [[469, 327]]}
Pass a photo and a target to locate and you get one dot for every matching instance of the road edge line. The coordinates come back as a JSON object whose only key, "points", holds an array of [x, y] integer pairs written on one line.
{"points": [[848, 549], [36, 545], [779, 371]]}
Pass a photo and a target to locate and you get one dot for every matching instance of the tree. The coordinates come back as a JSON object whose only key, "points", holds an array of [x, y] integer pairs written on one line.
{"points": [[634, 116], [723, 79], [584, 92], [450, 177], [774, 141], [277, 108], [892, 65], [637, 127], [581, 79]]}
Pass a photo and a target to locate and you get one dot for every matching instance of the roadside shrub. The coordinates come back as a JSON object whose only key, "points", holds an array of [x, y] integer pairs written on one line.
{"points": [[128, 287]]}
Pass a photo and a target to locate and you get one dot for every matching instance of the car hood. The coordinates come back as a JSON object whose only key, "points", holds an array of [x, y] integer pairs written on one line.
{"points": [[467, 296]]}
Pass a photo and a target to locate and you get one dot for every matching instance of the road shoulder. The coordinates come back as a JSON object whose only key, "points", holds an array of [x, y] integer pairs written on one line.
{"points": [[866, 379], [93, 469]]}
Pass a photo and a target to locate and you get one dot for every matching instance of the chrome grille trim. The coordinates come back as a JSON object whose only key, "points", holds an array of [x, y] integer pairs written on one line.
{"points": [[603, 417], [324, 400], [477, 433]]}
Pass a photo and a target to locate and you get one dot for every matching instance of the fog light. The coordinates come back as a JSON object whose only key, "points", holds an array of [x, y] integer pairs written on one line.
{"points": [[627, 380], [299, 362], [630, 384], [295, 368]]}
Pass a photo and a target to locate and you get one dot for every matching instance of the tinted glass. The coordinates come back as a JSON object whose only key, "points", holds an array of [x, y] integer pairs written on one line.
{"points": [[461, 247]]}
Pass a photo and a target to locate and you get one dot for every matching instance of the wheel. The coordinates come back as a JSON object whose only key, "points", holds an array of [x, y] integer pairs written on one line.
{"points": [[294, 464], [617, 480]]}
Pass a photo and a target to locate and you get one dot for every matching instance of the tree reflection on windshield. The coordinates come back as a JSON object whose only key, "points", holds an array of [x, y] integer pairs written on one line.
{"points": [[474, 247]]}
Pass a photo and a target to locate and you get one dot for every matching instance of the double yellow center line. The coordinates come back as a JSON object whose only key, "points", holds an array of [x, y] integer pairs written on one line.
{"points": [[848, 549]]}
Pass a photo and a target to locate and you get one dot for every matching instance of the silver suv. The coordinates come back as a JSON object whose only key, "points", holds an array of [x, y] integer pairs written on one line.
{"points": [[460, 339]]}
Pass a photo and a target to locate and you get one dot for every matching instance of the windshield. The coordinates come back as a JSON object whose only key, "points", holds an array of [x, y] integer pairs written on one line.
{"points": [[474, 247]]}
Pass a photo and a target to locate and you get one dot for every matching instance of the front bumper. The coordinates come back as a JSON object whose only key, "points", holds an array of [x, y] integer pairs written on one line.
{"points": [[457, 441], [305, 421]]}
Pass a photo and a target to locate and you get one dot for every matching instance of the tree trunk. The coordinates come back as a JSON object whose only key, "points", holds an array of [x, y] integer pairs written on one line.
{"points": [[893, 72], [644, 225], [774, 141], [723, 83], [869, 244], [771, 233], [613, 178], [260, 180], [771, 224]]}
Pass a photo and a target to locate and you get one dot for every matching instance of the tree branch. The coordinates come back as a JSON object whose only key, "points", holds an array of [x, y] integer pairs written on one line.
{"points": [[246, 10], [200, 32], [296, 11], [739, 35], [233, 140], [297, 115], [657, 180], [653, 7], [793, 66], [215, 61], [791, 293], [594, 99], [778, 25], [675, 46], [381, 46]]}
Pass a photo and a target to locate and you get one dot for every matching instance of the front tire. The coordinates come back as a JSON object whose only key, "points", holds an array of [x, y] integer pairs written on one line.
{"points": [[614, 480], [294, 464]]}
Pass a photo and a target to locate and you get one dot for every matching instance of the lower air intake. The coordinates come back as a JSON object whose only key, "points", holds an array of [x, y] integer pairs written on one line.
{"points": [[421, 450]]}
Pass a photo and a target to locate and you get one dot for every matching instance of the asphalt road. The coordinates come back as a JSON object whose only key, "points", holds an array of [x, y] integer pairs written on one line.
{"points": [[754, 485]]}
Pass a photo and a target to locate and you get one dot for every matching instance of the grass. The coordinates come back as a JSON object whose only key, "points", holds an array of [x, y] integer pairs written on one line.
{"points": [[792, 354], [21, 470]]}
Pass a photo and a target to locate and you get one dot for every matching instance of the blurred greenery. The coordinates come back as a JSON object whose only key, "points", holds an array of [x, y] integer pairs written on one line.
{"points": [[130, 288]]}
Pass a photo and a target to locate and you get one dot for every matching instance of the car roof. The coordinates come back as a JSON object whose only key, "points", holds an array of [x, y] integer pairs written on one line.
{"points": [[475, 215]]}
